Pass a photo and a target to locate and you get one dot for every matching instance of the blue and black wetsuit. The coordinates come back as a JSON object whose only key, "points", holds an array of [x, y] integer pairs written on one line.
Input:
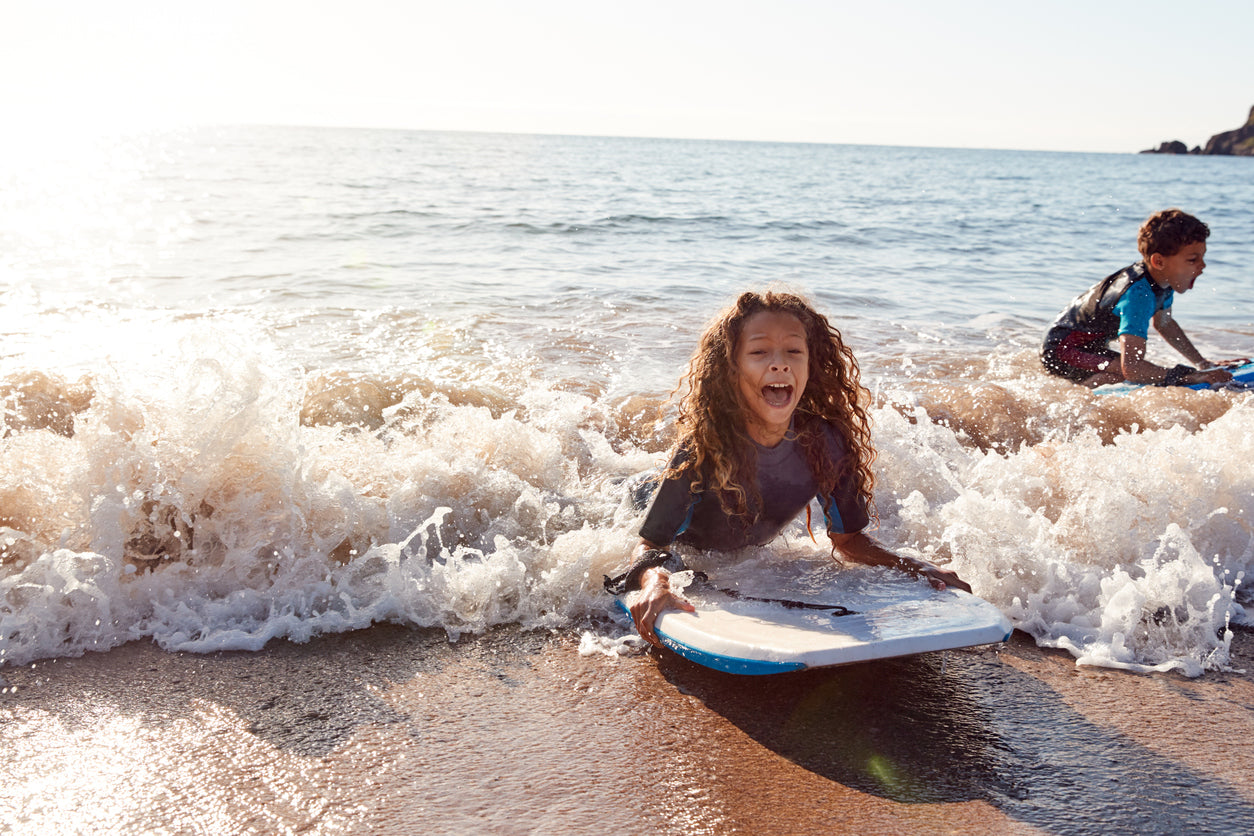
{"points": [[1077, 345], [785, 486]]}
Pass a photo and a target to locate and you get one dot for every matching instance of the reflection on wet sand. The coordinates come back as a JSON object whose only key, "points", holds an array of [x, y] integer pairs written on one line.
{"points": [[980, 726], [391, 730], [909, 730]]}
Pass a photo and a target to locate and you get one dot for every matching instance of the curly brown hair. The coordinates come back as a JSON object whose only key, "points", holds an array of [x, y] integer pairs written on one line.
{"points": [[1168, 232], [712, 425]]}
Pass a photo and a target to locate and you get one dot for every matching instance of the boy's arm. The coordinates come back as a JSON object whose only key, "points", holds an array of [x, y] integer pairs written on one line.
{"points": [[1133, 364], [1139, 370], [1171, 331], [1177, 339]]}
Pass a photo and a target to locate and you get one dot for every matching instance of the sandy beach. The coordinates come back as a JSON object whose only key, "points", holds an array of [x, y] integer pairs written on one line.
{"points": [[395, 731]]}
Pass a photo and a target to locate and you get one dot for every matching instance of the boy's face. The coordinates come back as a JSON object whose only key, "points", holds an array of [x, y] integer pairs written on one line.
{"points": [[1179, 271], [772, 368]]}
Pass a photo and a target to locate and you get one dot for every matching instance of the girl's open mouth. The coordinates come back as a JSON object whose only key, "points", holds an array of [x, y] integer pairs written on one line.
{"points": [[777, 395]]}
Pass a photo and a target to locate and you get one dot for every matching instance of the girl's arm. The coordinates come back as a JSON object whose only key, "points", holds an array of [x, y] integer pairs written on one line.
{"points": [[655, 597], [861, 548]]}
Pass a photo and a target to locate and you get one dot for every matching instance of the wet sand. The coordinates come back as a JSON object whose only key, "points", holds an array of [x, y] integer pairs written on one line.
{"points": [[397, 731]]}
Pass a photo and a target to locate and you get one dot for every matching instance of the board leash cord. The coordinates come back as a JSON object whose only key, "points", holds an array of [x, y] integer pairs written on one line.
{"points": [[835, 610]]}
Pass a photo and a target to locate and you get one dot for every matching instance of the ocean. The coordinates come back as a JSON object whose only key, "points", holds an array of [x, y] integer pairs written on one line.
{"points": [[280, 383]]}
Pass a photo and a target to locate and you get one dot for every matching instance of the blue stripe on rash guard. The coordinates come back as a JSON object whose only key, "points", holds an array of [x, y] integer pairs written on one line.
{"points": [[688, 519], [830, 509]]}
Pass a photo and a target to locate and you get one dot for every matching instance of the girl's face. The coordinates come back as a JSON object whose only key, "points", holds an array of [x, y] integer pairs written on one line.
{"points": [[772, 367]]}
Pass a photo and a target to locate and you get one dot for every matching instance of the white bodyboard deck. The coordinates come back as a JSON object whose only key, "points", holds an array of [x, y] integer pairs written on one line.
{"points": [[873, 614]]}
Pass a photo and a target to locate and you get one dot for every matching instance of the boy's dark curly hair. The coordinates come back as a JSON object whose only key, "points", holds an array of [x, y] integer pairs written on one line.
{"points": [[1168, 232]]}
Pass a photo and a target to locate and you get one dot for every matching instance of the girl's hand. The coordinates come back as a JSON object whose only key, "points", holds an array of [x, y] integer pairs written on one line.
{"points": [[655, 598], [942, 578]]}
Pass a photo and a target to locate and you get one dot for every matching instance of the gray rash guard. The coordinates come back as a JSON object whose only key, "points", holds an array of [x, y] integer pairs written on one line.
{"points": [[786, 486]]}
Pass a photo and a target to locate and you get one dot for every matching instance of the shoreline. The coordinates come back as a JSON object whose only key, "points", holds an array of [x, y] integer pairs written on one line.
{"points": [[389, 730]]}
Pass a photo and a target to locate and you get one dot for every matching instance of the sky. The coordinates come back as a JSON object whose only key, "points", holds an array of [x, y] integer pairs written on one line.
{"points": [[1100, 75]]}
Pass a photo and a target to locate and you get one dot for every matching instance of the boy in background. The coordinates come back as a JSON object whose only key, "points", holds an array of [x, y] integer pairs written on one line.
{"points": [[1173, 249]]}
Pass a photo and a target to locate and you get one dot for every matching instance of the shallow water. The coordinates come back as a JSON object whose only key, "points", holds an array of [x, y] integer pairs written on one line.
{"points": [[274, 383]]}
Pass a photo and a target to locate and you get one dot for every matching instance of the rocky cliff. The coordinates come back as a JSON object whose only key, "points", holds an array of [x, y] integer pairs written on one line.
{"points": [[1236, 143]]}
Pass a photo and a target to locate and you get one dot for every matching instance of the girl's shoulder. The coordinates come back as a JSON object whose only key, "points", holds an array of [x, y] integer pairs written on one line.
{"points": [[681, 457], [831, 434]]}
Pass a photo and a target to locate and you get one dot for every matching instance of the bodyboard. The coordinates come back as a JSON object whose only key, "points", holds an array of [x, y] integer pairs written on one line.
{"points": [[859, 615]]}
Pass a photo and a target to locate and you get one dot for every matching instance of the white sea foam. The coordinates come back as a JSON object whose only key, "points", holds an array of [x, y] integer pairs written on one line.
{"points": [[1127, 554], [191, 508]]}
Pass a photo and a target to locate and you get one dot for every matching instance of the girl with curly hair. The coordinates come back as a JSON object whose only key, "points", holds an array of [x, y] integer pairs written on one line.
{"points": [[772, 415]]}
